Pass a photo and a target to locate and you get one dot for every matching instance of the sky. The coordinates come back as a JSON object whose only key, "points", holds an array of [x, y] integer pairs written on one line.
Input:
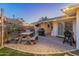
{"points": [[32, 12]]}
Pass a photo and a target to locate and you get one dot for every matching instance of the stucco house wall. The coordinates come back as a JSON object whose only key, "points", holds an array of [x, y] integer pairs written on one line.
{"points": [[47, 27], [56, 25]]}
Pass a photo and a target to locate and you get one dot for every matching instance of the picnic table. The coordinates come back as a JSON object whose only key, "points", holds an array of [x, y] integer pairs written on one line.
{"points": [[27, 37]]}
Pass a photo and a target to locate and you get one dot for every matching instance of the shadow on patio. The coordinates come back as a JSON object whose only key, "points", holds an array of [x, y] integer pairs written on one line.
{"points": [[45, 45]]}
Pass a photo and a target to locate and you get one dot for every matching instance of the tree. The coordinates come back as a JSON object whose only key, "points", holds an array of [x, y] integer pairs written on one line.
{"points": [[43, 18], [14, 26], [22, 19]]}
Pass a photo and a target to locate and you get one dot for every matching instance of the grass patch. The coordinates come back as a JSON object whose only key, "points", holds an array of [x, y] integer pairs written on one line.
{"points": [[11, 52]]}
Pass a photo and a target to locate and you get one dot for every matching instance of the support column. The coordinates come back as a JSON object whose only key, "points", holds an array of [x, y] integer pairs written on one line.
{"points": [[74, 29], [77, 29], [55, 29]]}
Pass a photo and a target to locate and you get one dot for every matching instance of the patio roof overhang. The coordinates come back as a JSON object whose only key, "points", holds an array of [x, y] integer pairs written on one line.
{"points": [[64, 18], [67, 18], [71, 10]]}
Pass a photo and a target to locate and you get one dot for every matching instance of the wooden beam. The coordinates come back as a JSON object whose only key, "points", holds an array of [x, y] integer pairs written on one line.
{"points": [[2, 27]]}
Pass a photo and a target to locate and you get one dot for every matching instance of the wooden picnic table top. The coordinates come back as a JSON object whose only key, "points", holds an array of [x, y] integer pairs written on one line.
{"points": [[26, 33]]}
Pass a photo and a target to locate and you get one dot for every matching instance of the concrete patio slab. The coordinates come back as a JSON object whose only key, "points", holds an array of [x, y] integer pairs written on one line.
{"points": [[45, 45]]}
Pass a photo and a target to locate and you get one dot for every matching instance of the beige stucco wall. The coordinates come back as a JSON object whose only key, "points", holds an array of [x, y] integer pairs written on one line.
{"points": [[46, 28], [55, 27], [44, 25], [54, 31]]}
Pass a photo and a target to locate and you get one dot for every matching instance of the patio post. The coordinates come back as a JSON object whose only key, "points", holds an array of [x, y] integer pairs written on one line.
{"points": [[77, 28], [2, 29]]}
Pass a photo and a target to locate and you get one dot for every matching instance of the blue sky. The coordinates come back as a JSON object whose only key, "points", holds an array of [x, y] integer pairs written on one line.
{"points": [[31, 12]]}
